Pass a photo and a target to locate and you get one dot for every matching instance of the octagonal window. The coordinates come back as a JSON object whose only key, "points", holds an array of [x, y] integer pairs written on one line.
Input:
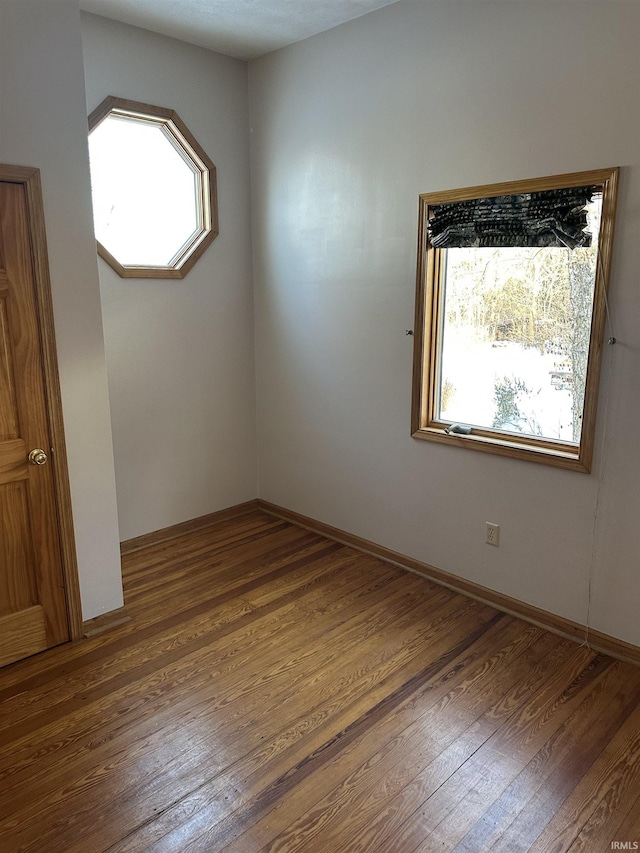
{"points": [[154, 190]]}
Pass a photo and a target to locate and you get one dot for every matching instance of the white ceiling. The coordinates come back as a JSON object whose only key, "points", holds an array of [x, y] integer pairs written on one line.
{"points": [[242, 28]]}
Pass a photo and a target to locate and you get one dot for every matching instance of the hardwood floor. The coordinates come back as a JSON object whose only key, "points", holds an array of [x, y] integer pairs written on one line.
{"points": [[276, 691]]}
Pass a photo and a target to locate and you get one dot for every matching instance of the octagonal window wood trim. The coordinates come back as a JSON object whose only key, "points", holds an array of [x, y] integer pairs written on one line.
{"points": [[179, 135]]}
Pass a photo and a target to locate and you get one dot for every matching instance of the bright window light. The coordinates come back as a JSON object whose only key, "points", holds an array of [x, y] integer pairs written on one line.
{"points": [[510, 316], [153, 190], [516, 332]]}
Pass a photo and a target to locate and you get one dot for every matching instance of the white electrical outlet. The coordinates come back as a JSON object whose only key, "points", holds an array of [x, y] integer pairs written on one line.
{"points": [[493, 534]]}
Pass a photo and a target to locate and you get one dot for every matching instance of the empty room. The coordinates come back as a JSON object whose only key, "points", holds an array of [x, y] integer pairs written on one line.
{"points": [[319, 426]]}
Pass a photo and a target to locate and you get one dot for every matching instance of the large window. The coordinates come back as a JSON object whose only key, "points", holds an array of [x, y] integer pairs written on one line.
{"points": [[154, 190], [510, 311]]}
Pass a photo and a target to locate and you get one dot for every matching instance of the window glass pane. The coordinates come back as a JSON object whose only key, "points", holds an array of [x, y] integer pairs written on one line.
{"points": [[144, 192], [515, 337]]}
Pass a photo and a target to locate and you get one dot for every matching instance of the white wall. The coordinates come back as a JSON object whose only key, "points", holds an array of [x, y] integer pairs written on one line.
{"points": [[180, 353], [43, 124], [348, 128]]}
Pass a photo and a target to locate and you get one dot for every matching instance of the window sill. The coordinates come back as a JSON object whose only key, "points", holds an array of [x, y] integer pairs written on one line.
{"points": [[560, 456]]}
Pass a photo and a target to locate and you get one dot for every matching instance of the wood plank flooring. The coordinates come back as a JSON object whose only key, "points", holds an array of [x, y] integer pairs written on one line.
{"points": [[276, 691]]}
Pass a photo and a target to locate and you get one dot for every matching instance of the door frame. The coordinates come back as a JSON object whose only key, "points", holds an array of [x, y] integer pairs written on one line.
{"points": [[30, 180]]}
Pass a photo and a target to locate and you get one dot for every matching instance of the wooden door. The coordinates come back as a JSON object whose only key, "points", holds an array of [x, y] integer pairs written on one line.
{"points": [[33, 612]]}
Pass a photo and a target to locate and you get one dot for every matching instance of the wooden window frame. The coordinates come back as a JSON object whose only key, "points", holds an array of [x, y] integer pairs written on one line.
{"points": [[207, 201], [428, 330]]}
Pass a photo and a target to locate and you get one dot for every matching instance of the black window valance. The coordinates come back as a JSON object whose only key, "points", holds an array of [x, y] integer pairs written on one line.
{"points": [[555, 218]]}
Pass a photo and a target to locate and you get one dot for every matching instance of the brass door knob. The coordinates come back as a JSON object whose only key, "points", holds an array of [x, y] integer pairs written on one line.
{"points": [[37, 457]]}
